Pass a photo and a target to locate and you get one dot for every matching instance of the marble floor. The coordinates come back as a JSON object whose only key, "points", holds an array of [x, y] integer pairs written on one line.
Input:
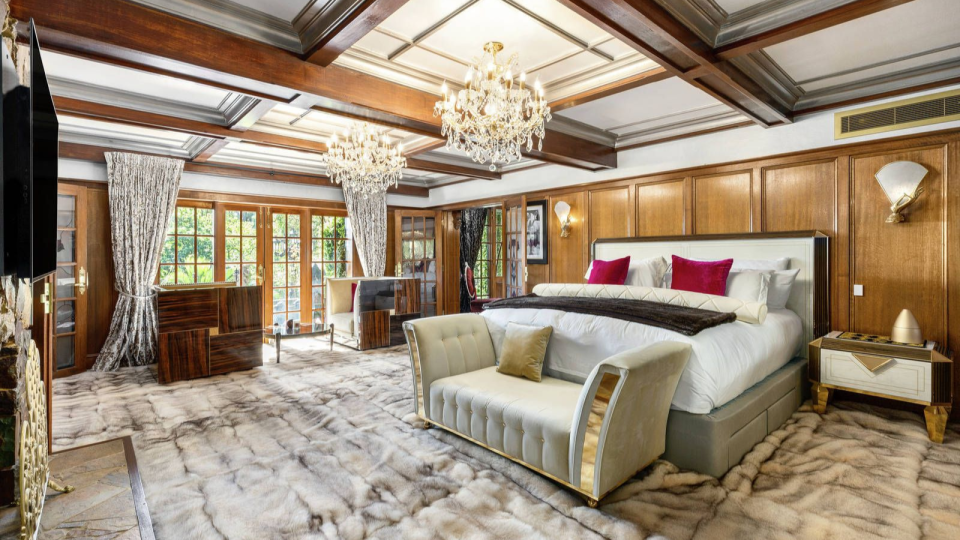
{"points": [[102, 505]]}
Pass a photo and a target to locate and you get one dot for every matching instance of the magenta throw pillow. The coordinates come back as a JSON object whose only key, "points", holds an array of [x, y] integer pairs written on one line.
{"points": [[708, 277], [609, 272]]}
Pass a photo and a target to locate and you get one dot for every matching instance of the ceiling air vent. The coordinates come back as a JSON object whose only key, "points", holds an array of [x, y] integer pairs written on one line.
{"points": [[921, 111]]}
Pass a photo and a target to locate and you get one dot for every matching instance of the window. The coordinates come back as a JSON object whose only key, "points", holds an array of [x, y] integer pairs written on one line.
{"points": [[489, 261], [286, 267], [331, 250], [188, 253], [240, 246]]}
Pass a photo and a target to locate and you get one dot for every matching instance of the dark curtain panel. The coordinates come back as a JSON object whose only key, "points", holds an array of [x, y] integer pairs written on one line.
{"points": [[471, 233]]}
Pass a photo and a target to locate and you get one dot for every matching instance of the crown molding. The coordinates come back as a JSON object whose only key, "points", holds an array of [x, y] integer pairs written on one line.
{"points": [[121, 141], [234, 18], [580, 130], [233, 106]]}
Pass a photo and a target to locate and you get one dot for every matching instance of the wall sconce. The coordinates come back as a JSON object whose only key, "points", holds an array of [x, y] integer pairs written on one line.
{"points": [[900, 181], [563, 213]]}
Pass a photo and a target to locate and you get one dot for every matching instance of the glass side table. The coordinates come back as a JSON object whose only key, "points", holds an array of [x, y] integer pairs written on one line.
{"points": [[281, 333]]}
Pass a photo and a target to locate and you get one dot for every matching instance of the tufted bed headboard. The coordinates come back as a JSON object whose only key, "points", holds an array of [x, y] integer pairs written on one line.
{"points": [[807, 250]]}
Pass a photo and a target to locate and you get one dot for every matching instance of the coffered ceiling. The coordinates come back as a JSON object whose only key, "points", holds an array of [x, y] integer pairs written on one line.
{"points": [[427, 42], [263, 84]]}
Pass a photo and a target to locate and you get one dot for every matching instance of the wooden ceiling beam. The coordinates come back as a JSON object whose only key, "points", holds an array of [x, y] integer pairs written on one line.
{"points": [[88, 152], [128, 33], [636, 81], [360, 22], [447, 168], [838, 15], [652, 30]]}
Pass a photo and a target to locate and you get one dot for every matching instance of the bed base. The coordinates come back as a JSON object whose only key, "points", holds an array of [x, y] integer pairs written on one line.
{"points": [[712, 443]]}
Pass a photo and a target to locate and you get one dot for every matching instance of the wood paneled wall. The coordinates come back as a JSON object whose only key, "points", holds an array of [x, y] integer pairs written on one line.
{"points": [[911, 265]]}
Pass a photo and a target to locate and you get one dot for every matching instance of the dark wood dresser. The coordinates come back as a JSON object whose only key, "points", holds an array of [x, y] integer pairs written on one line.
{"points": [[208, 330]]}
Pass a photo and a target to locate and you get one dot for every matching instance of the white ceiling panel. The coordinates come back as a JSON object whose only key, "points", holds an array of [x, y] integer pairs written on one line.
{"points": [[428, 41], [283, 9], [379, 44], [565, 18], [733, 6], [616, 49], [416, 16], [567, 67], [646, 102], [430, 62], [493, 20], [916, 33], [71, 68]]}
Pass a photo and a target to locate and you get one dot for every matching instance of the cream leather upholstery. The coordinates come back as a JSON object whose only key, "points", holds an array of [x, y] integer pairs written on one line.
{"points": [[519, 417], [339, 301], [590, 437], [750, 312]]}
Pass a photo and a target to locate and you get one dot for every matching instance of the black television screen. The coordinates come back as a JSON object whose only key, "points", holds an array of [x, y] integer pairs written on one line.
{"points": [[30, 173], [46, 152]]}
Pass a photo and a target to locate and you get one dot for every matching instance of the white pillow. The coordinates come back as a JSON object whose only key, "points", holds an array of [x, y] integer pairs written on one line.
{"points": [[776, 265], [779, 290], [643, 273], [748, 285]]}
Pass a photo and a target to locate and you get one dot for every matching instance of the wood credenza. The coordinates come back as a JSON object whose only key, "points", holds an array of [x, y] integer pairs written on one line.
{"points": [[208, 330]]}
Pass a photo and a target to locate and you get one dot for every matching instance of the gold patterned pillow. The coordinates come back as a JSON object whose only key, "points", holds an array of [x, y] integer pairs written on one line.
{"points": [[524, 348]]}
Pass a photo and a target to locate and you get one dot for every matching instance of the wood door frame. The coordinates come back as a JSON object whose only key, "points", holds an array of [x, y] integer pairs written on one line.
{"points": [[437, 216], [305, 257], [80, 361], [520, 202]]}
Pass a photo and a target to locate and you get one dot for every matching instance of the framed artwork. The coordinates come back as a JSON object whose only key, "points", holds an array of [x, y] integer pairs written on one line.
{"points": [[536, 232]]}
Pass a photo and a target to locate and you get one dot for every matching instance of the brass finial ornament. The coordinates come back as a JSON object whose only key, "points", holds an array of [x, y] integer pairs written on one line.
{"points": [[906, 329], [900, 181]]}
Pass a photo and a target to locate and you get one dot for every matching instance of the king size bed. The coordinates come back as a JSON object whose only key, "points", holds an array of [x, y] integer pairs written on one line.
{"points": [[742, 380], [625, 374]]}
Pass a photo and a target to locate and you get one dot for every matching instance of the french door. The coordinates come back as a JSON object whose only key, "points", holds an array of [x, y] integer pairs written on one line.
{"points": [[515, 276], [288, 285], [418, 250], [240, 245], [70, 283]]}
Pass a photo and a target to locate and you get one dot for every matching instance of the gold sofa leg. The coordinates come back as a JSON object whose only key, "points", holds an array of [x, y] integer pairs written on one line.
{"points": [[936, 417], [592, 503], [427, 424]]}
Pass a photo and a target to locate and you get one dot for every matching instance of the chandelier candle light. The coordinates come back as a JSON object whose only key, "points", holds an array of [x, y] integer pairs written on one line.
{"points": [[364, 160], [494, 115]]}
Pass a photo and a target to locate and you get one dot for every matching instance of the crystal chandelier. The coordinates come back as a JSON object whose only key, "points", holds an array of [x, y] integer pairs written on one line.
{"points": [[364, 160], [493, 116]]}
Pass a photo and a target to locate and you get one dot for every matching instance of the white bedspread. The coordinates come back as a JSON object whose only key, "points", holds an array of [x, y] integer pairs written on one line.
{"points": [[726, 359]]}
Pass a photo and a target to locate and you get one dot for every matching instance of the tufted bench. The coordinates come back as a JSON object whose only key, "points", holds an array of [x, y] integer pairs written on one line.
{"points": [[590, 438]]}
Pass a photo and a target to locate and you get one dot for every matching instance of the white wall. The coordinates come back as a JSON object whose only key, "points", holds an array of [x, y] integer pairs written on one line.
{"points": [[809, 132], [97, 172]]}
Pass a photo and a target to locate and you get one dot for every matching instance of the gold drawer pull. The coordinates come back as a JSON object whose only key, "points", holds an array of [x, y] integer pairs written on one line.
{"points": [[872, 363]]}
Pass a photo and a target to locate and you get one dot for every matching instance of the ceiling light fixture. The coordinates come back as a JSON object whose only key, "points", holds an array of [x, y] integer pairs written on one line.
{"points": [[493, 116], [364, 160]]}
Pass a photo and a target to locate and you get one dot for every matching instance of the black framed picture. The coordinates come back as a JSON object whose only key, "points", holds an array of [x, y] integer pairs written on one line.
{"points": [[536, 232]]}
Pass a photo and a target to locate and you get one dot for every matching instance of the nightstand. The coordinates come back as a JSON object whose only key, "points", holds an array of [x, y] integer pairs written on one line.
{"points": [[876, 366]]}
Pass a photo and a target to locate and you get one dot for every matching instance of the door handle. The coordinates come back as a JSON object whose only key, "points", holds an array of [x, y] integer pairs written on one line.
{"points": [[83, 281], [45, 298], [259, 274]]}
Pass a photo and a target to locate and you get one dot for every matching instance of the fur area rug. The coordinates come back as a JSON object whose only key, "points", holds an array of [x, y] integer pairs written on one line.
{"points": [[325, 445]]}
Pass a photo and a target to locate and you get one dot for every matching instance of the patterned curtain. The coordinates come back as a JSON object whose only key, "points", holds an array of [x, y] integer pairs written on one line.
{"points": [[143, 196], [471, 235], [368, 218]]}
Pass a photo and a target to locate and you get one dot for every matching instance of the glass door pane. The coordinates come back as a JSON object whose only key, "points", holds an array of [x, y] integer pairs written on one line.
{"points": [[330, 252], [240, 229], [419, 256], [286, 262], [69, 283], [514, 255]]}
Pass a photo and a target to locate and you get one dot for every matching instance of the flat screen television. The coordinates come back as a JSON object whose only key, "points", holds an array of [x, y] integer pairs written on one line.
{"points": [[30, 173]]}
